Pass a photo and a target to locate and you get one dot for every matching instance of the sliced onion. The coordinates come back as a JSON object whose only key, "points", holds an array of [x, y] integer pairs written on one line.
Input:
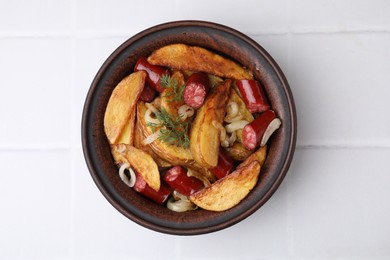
{"points": [[232, 127], [128, 181], [185, 111], [151, 138], [178, 196], [232, 109], [132, 178], [234, 119], [149, 118], [180, 205], [222, 130], [272, 127], [225, 143], [191, 173], [232, 138]]}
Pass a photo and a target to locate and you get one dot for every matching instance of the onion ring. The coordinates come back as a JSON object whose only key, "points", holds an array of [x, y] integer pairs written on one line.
{"points": [[231, 109], [149, 118], [128, 181], [185, 111], [180, 205]]}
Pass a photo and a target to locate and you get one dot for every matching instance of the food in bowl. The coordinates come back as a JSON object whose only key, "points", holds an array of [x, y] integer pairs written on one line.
{"points": [[189, 128]]}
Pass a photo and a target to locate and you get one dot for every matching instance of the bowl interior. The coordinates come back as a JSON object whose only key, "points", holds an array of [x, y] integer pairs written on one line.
{"points": [[220, 39]]}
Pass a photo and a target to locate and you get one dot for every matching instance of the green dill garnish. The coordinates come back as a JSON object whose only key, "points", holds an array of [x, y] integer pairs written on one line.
{"points": [[165, 81], [176, 92], [173, 131]]}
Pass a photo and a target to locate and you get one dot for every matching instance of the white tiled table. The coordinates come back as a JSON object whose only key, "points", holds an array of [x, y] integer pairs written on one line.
{"points": [[334, 202]]}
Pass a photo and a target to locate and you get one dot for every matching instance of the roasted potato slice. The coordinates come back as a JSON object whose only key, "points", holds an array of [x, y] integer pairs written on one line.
{"points": [[168, 154], [204, 136], [140, 161], [167, 102], [173, 154], [193, 165], [127, 136], [138, 143], [227, 192], [193, 58], [214, 80], [118, 151], [144, 164], [121, 104], [238, 152], [260, 155]]}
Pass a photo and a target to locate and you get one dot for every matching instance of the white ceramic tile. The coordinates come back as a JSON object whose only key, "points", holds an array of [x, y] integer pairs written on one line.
{"points": [[35, 203], [37, 16], [338, 204], [101, 232], [251, 16], [34, 108], [88, 56], [263, 235], [341, 15], [122, 16], [340, 84], [255, 16], [334, 202]]}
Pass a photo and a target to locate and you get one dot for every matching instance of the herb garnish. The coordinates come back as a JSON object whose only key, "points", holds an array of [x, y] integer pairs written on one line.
{"points": [[173, 130], [176, 92]]}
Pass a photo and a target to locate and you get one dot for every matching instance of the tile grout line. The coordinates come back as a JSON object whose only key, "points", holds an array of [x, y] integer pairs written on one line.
{"points": [[90, 34], [340, 147]]}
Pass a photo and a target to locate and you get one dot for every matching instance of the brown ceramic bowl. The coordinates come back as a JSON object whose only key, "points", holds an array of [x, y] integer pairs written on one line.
{"points": [[220, 39]]}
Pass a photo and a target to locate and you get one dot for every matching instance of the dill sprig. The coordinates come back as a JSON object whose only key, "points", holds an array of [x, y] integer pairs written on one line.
{"points": [[173, 130], [176, 91]]}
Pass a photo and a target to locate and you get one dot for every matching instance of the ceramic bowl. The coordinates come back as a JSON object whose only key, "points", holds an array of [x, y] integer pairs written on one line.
{"points": [[220, 39]]}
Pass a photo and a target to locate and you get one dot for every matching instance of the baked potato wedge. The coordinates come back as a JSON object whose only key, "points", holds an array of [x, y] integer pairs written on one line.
{"points": [[138, 143], [127, 135], [144, 164], [118, 152], [140, 161], [227, 192], [214, 80], [260, 155], [204, 136], [167, 102], [193, 58], [167, 154], [238, 152], [121, 104], [173, 154]]}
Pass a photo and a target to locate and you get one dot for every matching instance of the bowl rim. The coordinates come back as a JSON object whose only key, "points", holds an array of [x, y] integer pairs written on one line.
{"points": [[89, 99]]}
